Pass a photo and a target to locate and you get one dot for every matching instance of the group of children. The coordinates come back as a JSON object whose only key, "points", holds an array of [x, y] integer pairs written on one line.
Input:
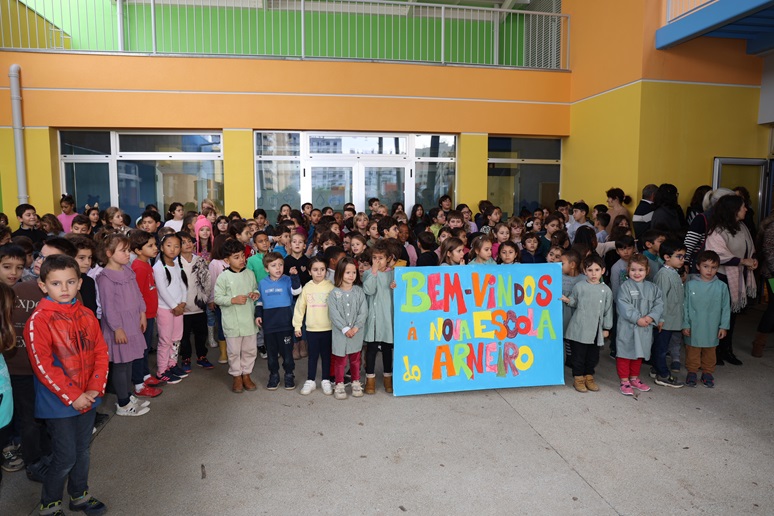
{"points": [[317, 285]]}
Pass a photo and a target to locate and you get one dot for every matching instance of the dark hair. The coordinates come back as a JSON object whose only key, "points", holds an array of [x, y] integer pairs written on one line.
{"points": [[183, 275], [511, 244], [67, 199], [593, 259], [303, 206], [185, 234], [229, 247], [217, 246], [257, 213], [426, 241], [12, 251], [434, 213], [529, 235], [332, 252], [560, 238], [666, 195], [3, 218], [624, 242], [380, 247], [724, 214], [603, 218], [384, 224], [7, 334], [395, 207], [560, 203], [271, 257], [341, 267], [454, 214], [313, 260], [215, 230], [745, 194], [415, 219], [234, 215], [298, 217], [652, 235], [553, 218], [586, 235], [281, 228], [373, 200], [640, 259], [698, 198], [58, 262], [445, 229], [443, 198], [24, 242], [259, 233], [83, 242], [152, 214], [707, 256], [489, 210], [447, 247], [601, 208], [20, 209], [236, 227], [572, 256], [360, 238], [394, 247], [617, 193], [581, 206], [172, 208], [81, 220], [669, 247], [62, 245], [138, 238]]}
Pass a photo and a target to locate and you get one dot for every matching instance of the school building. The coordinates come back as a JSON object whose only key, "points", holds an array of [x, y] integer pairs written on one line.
{"points": [[256, 103]]}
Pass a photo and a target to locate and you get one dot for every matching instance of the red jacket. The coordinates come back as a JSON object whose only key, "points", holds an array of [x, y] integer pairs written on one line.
{"points": [[67, 352], [147, 283]]}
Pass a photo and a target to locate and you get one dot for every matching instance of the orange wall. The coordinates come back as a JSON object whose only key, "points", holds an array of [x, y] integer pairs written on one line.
{"points": [[170, 92]]}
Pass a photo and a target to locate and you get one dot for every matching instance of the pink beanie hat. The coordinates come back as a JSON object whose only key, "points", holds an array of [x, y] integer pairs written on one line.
{"points": [[202, 221]]}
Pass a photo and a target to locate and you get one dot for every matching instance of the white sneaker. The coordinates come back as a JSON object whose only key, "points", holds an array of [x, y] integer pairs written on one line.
{"points": [[308, 387], [339, 393], [131, 410], [137, 401], [357, 389], [327, 387]]}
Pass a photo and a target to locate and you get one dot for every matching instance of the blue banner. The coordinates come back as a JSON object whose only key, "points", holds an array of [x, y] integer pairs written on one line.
{"points": [[472, 327]]}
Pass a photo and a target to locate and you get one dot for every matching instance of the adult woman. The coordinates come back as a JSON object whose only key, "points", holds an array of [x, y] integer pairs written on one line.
{"points": [[616, 198], [696, 207], [749, 219], [668, 216], [729, 237], [766, 252], [697, 231]]}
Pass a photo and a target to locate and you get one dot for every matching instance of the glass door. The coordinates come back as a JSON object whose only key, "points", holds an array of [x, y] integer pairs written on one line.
{"points": [[88, 183], [332, 184], [386, 181], [751, 174]]}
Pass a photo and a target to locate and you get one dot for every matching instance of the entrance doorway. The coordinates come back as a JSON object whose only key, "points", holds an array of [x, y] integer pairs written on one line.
{"points": [[753, 174]]}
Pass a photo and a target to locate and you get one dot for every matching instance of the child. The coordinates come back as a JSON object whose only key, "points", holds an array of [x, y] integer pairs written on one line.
{"points": [[554, 254], [80, 225], [216, 267], [552, 225], [94, 218], [240, 231], [481, 251], [590, 323], [452, 252], [439, 220], [115, 220], [624, 247], [172, 287], [12, 259], [85, 256], [175, 217], [123, 321], [204, 238], [706, 319], [467, 215], [580, 212], [150, 221], [296, 258], [426, 244], [234, 294], [529, 247], [571, 265], [274, 314], [312, 303], [652, 240], [282, 240], [7, 343], [331, 257], [357, 244], [639, 306], [67, 204], [70, 379], [670, 325], [378, 283], [372, 232], [143, 245], [516, 226], [600, 223], [509, 253], [444, 233], [28, 218], [492, 216], [501, 234], [198, 295], [455, 219]]}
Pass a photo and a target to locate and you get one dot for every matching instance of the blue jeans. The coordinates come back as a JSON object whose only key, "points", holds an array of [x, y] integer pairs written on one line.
{"points": [[140, 366], [277, 344], [658, 353], [70, 440]]}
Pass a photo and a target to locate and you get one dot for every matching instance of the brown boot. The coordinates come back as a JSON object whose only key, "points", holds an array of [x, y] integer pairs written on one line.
{"points": [[248, 383], [303, 349], [388, 384], [759, 342], [591, 384], [296, 354], [237, 386], [580, 384], [370, 387], [223, 359]]}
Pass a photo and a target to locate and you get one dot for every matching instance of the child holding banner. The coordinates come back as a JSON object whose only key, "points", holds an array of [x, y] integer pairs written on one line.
{"points": [[348, 311], [481, 251], [590, 323], [378, 283]]}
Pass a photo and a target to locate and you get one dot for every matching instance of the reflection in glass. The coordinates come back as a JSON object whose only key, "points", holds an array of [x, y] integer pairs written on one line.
{"points": [[89, 183], [385, 183], [321, 144], [331, 186], [524, 148], [84, 142], [518, 186], [278, 182], [278, 144], [169, 143], [435, 146], [432, 181]]}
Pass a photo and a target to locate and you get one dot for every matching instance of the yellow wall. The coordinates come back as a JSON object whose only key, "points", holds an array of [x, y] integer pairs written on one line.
{"points": [[472, 153], [239, 171], [21, 27]]}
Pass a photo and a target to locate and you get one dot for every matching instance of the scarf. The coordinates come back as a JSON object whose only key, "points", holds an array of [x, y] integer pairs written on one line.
{"points": [[739, 288]]}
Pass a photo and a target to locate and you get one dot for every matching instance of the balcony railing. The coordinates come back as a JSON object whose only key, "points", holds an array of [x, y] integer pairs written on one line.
{"points": [[677, 9], [399, 31]]}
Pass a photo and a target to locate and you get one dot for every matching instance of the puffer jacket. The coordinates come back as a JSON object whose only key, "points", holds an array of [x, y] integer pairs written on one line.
{"points": [[68, 356]]}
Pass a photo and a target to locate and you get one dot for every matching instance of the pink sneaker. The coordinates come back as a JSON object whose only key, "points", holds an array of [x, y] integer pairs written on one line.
{"points": [[626, 389], [638, 384]]}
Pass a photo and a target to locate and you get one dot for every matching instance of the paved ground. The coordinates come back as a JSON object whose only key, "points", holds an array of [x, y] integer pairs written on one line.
{"points": [[550, 450]]}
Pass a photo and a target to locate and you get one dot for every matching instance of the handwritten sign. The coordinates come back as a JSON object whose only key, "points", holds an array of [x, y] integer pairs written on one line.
{"points": [[477, 327]]}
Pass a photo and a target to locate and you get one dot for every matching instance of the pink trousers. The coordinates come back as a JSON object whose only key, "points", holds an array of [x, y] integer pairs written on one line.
{"points": [[170, 329]]}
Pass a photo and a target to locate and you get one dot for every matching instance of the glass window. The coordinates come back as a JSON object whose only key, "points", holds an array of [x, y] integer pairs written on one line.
{"points": [[334, 144], [162, 182], [84, 142], [169, 143], [278, 144], [278, 183], [385, 183], [435, 146], [524, 148], [331, 186], [517, 187], [89, 183], [432, 181]]}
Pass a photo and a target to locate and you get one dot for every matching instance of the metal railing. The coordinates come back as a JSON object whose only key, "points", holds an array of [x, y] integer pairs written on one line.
{"points": [[677, 9], [375, 30]]}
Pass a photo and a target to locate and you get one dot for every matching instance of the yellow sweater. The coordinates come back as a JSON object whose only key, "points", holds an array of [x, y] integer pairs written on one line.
{"points": [[313, 302]]}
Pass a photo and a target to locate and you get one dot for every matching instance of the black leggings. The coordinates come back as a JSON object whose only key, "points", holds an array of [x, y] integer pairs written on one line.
{"points": [[372, 348], [122, 382], [319, 347], [767, 319], [195, 324]]}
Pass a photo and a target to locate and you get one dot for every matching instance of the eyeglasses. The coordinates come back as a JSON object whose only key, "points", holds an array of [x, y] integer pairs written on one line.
{"points": [[38, 256]]}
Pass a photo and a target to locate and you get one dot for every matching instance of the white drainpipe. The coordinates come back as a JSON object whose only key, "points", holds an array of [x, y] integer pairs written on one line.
{"points": [[18, 134]]}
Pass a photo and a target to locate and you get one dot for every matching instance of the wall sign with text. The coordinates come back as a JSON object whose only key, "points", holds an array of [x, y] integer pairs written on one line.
{"points": [[475, 327]]}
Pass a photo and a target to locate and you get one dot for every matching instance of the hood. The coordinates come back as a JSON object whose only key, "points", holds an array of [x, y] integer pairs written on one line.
{"points": [[202, 221]]}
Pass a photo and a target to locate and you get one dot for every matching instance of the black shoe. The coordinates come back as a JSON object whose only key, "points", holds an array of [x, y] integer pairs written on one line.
{"points": [[731, 359], [88, 504], [36, 471], [347, 379], [290, 381], [100, 419], [719, 360], [273, 382]]}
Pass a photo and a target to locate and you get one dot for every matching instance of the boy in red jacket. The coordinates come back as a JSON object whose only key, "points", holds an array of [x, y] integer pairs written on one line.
{"points": [[70, 360]]}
